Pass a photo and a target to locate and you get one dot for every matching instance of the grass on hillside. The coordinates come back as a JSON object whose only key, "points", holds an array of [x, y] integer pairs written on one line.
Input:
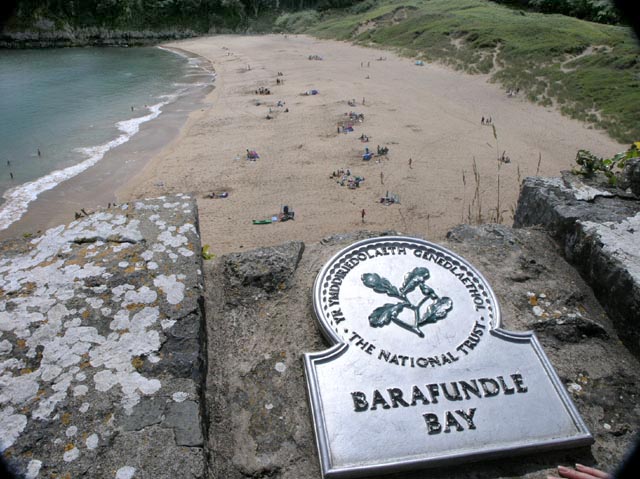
{"points": [[589, 71]]}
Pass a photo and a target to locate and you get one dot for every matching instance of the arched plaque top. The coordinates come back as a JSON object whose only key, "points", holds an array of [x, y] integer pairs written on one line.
{"points": [[404, 294]]}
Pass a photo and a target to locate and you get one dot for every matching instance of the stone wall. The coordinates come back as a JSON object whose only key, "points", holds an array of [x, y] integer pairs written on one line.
{"points": [[598, 228], [102, 346]]}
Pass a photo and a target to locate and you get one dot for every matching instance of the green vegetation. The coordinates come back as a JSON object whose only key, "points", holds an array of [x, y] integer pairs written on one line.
{"points": [[195, 15], [590, 163], [590, 71], [602, 11]]}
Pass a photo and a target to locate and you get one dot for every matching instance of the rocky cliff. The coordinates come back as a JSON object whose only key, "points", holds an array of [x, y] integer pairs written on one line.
{"points": [[84, 37]]}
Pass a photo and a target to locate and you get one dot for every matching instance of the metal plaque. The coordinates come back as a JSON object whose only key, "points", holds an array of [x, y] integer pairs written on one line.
{"points": [[420, 373]]}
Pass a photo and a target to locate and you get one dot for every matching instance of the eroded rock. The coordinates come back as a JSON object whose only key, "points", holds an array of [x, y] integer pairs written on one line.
{"points": [[599, 235], [89, 380], [269, 269]]}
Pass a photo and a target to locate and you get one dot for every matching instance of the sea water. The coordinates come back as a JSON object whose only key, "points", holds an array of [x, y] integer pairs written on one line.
{"points": [[61, 110]]}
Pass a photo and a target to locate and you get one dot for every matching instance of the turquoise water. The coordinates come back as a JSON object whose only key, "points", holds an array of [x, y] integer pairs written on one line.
{"points": [[61, 110]]}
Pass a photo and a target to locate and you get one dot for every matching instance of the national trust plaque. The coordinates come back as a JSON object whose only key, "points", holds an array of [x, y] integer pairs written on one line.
{"points": [[420, 373]]}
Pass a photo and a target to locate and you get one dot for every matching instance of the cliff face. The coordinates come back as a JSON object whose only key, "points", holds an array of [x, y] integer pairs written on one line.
{"points": [[88, 37]]}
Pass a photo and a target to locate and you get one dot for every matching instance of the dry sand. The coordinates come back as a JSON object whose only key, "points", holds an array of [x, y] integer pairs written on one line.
{"points": [[428, 113]]}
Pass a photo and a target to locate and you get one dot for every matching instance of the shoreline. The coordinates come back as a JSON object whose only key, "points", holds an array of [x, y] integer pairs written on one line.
{"points": [[200, 105], [97, 185], [428, 113]]}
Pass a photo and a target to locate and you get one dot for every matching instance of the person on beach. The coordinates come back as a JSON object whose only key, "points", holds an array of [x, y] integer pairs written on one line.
{"points": [[381, 178], [482, 121], [410, 160], [363, 213]]}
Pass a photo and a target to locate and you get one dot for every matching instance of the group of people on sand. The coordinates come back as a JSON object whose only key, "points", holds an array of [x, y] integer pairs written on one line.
{"points": [[279, 104], [340, 172], [486, 121], [263, 91], [344, 177], [353, 116]]}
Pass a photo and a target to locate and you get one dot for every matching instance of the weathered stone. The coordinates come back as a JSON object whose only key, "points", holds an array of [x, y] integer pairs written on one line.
{"points": [[184, 418], [87, 312], [182, 358], [599, 235], [147, 412], [260, 423], [630, 177], [269, 269], [147, 454], [570, 329], [556, 206]]}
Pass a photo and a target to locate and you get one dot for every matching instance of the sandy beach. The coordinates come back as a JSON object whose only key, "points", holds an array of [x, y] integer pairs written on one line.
{"points": [[428, 113]]}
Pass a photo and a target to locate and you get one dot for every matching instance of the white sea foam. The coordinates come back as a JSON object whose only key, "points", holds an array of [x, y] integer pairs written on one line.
{"points": [[194, 62], [18, 198], [177, 52], [194, 84]]}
